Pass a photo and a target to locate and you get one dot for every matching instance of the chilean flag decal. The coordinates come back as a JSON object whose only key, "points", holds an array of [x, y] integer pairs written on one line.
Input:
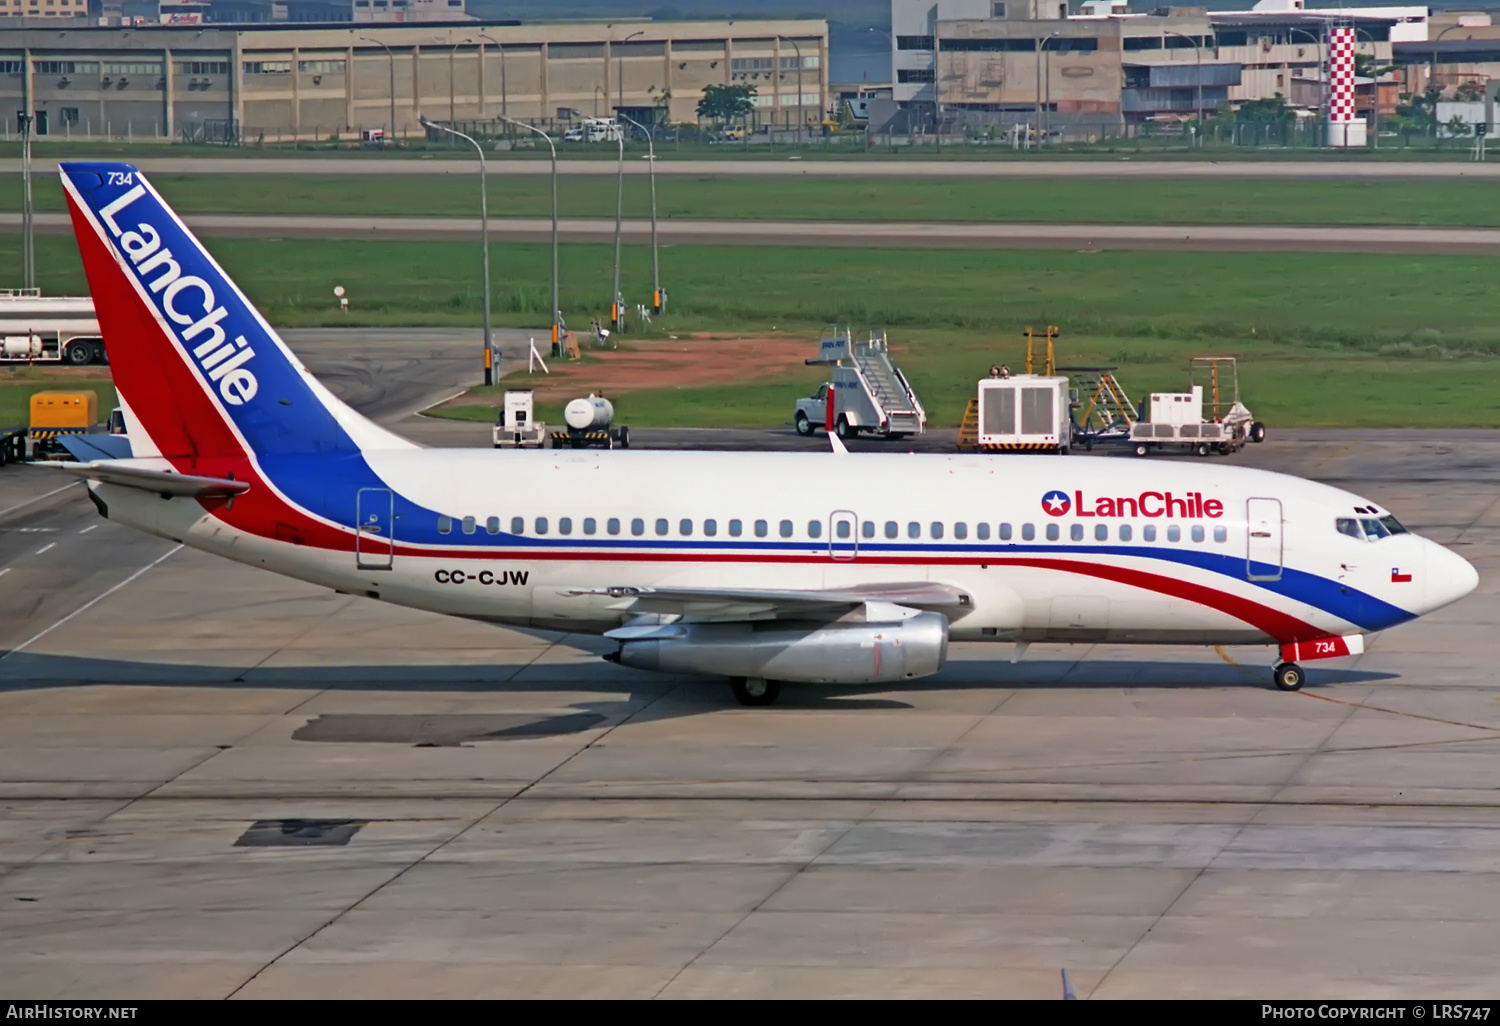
{"points": [[1397, 577]]}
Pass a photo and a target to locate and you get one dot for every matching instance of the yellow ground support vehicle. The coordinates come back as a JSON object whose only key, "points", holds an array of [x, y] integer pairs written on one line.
{"points": [[61, 413]]}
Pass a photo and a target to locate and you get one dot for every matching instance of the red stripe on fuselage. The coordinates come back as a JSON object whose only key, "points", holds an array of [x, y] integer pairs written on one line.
{"points": [[168, 398]]}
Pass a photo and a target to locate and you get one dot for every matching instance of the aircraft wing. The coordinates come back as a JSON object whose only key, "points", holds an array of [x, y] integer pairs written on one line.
{"points": [[162, 482], [882, 601]]}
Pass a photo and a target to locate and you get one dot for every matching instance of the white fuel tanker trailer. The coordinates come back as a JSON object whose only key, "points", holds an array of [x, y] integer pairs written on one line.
{"points": [[590, 423], [49, 329]]}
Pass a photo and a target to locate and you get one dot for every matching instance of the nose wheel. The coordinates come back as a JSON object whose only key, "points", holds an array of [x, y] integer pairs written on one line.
{"points": [[1289, 677], [754, 691]]}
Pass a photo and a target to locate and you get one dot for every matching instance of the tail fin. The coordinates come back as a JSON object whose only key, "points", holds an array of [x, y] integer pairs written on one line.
{"points": [[199, 370]]}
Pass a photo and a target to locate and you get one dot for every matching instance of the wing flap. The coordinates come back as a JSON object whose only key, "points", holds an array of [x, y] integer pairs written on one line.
{"points": [[162, 482], [882, 600]]}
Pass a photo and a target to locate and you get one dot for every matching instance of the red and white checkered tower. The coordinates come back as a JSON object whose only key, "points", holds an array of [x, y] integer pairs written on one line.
{"points": [[1344, 128]]}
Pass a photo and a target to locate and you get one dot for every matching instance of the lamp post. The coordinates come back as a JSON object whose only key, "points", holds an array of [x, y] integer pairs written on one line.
{"points": [[28, 241], [620, 63], [392, 58], [1319, 42], [484, 235], [1432, 73], [596, 99], [504, 100], [1374, 86], [656, 300], [556, 309], [801, 119], [615, 305], [1198, 74], [1040, 46]]}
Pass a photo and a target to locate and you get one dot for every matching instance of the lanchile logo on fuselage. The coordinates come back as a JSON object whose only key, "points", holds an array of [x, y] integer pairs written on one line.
{"points": [[1150, 505], [224, 362]]}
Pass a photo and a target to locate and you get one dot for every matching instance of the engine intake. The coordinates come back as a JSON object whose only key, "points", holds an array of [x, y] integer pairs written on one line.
{"points": [[858, 653]]}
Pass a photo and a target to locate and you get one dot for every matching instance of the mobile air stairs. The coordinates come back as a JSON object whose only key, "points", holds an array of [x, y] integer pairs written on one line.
{"points": [[869, 391]]}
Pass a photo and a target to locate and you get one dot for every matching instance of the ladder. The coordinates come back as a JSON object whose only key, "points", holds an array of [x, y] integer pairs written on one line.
{"points": [[1102, 399], [968, 430], [887, 386]]}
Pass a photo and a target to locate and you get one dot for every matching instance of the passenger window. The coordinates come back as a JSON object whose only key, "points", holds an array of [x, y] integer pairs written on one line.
{"points": [[1349, 526], [517, 525], [662, 527], [564, 525], [1221, 534], [913, 530], [1075, 532], [1028, 531], [815, 528], [1124, 532], [590, 525], [1101, 532], [710, 527], [1005, 532], [842, 529], [492, 525], [541, 525], [982, 532], [736, 528], [637, 527], [761, 529], [937, 529], [1053, 532], [786, 528], [891, 530], [685, 527], [445, 525], [612, 525], [1174, 533], [1148, 533], [1197, 532], [960, 530], [867, 528], [468, 525]]}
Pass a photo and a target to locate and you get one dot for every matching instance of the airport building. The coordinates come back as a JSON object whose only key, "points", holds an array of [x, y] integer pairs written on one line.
{"points": [[307, 81], [1095, 63]]}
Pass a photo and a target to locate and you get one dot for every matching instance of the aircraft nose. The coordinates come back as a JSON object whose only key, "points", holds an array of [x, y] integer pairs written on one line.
{"points": [[1449, 576]]}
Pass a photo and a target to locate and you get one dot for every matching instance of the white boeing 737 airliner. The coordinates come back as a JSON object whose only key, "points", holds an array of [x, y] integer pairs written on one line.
{"points": [[765, 568]]}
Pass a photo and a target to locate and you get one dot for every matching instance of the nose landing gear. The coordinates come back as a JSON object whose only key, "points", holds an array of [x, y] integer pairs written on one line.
{"points": [[1288, 676]]}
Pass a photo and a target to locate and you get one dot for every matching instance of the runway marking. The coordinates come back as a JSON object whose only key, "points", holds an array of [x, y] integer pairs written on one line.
{"points": [[89, 528], [44, 548], [91, 602], [39, 498], [4, 572]]}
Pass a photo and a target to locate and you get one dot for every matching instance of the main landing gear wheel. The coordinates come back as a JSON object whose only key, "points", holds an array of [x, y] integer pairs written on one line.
{"points": [[754, 690], [1289, 677], [804, 426]]}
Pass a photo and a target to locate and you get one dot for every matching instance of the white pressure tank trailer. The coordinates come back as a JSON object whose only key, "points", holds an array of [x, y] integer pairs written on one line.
{"points": [[590, 423]]}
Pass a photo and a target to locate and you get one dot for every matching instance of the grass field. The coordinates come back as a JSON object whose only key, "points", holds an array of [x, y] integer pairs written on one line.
{"points": [[18, 384], [1349, 339], [1463, 202]]}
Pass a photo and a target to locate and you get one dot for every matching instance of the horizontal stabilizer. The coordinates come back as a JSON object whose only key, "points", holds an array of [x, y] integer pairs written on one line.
{"points": [[163, 482], [86, 448]]}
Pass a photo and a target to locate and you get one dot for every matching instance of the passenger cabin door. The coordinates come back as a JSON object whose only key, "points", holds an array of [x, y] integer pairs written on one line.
{"points": [[843, 543], [1263, 552], [374, 545]]}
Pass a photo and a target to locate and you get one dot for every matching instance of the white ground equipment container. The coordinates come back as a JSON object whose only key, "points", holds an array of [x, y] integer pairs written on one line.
{"points": [[589, 424], [869, 391], [517, 428], [48, 329], [1177, 421], [1024, 413]]}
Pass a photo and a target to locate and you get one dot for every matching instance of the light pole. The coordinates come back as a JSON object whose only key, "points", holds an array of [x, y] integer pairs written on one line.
{"points": [[801, 119], [28, 241], [615, 311], [504, 101], [392, 58], [620, 62], [1040, 46], [1198, 74], [657, 306], [596, 99], [1432, 74], [484, 235], [1318, 41], [556, 309], [1374, 87]]}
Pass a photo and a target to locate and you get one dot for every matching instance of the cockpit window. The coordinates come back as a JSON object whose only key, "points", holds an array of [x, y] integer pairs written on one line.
{"points": [[1374, 529], [1350, 526], [1393, 525]]}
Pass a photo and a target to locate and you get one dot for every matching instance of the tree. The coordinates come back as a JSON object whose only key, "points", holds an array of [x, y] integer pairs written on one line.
{"points": [[726, 102], [1272, 111]]}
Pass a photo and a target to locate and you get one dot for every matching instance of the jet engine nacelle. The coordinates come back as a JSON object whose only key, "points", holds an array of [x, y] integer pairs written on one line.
{"points": [[857, 653]]}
